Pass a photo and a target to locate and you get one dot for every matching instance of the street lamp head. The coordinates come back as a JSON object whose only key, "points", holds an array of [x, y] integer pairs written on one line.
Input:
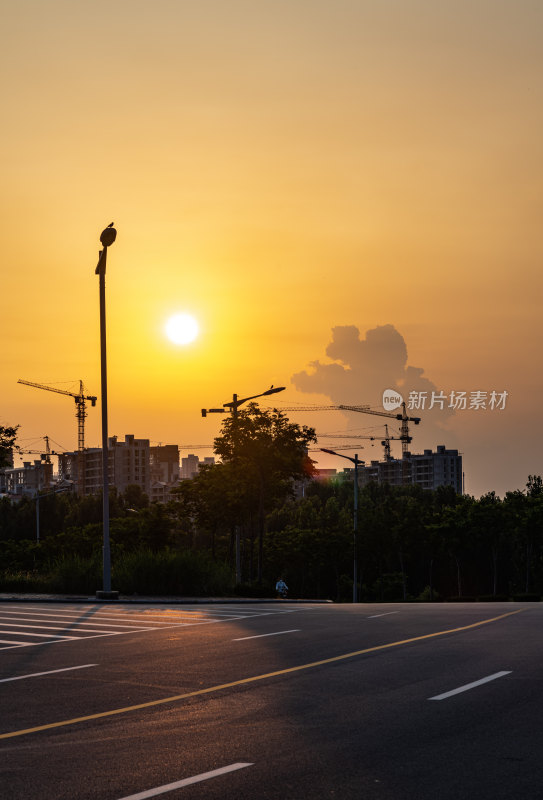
{"points": [[108, 235], [274, 390], [354, 460]]}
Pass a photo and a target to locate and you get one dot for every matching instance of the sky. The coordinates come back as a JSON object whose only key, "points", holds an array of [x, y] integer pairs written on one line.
{"points": [[346, 196]]}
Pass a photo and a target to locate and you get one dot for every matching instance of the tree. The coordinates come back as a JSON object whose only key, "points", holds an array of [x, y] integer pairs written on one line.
{"points": [[8, 435], [486, 517], [134, 498], [267, 453]]}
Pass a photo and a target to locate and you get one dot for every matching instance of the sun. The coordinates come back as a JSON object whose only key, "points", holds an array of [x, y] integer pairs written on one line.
{"points": [[182, 329]]}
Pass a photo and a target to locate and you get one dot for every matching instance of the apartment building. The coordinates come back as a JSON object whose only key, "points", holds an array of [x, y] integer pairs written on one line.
{"points": [[129, 465], [428, 469], [190, 466], [28, 479]]}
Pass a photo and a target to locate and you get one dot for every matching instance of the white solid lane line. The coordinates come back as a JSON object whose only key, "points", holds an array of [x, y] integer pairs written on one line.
{"points": [[43, 635], [468, 686], [169, 787], [262, 635], [62, 625], [49, 672], [93, 620], [12, 642]]}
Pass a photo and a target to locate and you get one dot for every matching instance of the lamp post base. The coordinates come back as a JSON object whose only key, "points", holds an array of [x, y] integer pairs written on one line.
{"points": [[103, 595]]}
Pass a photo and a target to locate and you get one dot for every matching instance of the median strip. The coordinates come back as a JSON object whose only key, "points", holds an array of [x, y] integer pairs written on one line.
{"points": [[253, 679]]}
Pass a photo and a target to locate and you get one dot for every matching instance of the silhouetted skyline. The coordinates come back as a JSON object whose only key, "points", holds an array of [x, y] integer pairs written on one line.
{"points": [[293, 176]]}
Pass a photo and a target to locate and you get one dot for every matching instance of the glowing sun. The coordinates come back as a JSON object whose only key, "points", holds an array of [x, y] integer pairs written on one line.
{"points": [[181, 329]]}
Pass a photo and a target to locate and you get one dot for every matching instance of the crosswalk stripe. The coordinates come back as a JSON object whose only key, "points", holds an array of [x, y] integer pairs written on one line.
{"points": [[43, 635]]}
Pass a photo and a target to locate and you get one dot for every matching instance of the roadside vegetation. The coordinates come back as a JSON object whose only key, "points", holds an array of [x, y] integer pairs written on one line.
{"points": [[413, 545]]}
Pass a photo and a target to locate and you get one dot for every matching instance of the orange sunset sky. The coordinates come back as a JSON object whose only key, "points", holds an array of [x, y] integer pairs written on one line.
{"points": [[346, 195]]}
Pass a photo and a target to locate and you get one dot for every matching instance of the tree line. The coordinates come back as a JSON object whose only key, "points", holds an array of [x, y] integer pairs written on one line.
{"points": [[411, 544]]}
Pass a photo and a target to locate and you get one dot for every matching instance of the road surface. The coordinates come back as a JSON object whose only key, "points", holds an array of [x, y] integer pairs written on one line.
{"points": [[286, 702]]}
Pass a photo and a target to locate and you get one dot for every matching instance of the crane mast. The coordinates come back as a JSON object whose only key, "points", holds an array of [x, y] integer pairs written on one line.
{"points": [[386, 444]]}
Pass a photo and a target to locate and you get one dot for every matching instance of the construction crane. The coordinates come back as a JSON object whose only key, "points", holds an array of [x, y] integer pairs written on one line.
{"points": [[404, 431], [385, 442], [80, 401], [46, 457]]}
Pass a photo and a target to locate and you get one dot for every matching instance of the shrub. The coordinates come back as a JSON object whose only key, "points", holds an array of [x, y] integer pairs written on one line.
{"points": [[493, 598], [527, 597], [253, 590], [428, 596], [23, 581], [467, 598], [76, 574], [170, 572], [389, 588]]}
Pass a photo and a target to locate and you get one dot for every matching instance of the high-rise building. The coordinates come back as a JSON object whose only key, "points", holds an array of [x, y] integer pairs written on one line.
{"points": [[164, 463], [427, 469], [129, 465]]}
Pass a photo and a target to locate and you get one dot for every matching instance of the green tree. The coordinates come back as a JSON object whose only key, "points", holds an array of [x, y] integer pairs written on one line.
{"points": [[134, 498], [524, 516], [486, 522], [8, 436], [267, 453]]}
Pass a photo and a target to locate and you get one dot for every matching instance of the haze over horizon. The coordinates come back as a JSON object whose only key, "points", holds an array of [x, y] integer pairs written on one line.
{"points": [[345, 196]]}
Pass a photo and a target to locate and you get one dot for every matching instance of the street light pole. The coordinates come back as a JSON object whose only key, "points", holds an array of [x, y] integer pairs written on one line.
{"points": [[356, 462], [233, 406], [107, 237]]}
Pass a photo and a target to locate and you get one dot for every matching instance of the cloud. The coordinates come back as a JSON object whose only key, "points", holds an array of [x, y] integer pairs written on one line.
{"points": [[362, 368]]}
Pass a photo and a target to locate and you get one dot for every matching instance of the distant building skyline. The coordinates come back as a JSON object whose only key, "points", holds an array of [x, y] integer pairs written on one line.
{"points": [[428, 469], [132, 462]]}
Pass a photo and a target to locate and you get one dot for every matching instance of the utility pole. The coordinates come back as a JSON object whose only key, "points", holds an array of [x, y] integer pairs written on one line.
{"points": [[107, 237], [356, 462], [233, 406]]}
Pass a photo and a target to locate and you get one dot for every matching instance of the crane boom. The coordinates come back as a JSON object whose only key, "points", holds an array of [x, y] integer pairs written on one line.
{"points": [[385, 442], [46, 456], [404, 434], [322, 408]]}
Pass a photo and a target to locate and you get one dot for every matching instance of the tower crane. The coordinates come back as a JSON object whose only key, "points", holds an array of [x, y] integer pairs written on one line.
{"points": [[46, 457], [404, 431], [385, 442], [80, 401]]}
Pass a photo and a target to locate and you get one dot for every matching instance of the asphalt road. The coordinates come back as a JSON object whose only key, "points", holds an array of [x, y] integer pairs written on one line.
{"points": [[281, 702]]}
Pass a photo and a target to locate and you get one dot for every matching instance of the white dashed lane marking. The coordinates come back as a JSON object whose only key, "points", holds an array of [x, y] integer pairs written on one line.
{"points": [[263, 635], [469, 686], [169, 787]]}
